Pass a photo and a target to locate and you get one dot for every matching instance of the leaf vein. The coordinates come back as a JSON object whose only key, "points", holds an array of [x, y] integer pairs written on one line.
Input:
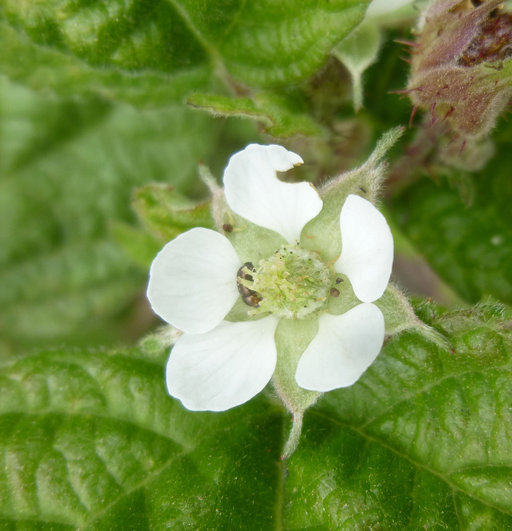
{"points": [[136, 487], [431, 386], [417, 464]]}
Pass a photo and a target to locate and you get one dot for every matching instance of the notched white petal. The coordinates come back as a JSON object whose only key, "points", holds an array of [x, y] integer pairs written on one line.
{"points": [[254, 192], [367, 248], [222, 368], [344, 347], [192, 280]]}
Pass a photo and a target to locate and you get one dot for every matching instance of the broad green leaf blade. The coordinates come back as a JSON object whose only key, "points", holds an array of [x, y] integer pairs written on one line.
{"points": [[151, 52], [424, 440], [90, 439], [136, 51], [41, 68], [274, 43], [67, 173], [134, 35]]}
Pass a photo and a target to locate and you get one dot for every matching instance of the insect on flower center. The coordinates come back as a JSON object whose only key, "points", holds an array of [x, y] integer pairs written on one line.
{"points": [[292, 283]]}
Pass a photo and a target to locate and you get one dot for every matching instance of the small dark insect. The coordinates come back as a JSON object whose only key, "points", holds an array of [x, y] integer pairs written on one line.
{"points": [[334, 292], [339, 280], [249, 296], [227, 227], [362, 189]]}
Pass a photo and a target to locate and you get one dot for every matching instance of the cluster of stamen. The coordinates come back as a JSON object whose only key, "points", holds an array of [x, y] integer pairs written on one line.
{"points": [[292, 283]]}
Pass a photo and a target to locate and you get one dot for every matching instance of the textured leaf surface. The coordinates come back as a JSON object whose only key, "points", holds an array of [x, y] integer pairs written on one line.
{"points": [[277, 114], [96, 442], [423, 441], [91, 439], [150, 52], [136, 51]]}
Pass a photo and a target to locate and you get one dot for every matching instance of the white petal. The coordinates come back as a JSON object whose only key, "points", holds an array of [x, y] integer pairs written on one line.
{"points": [[192, 280], [367, 248], [344, 347], [224, 367], [254, 192]]}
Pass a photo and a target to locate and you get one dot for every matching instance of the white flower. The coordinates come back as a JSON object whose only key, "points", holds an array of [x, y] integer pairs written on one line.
{"points": [[216, 364]]}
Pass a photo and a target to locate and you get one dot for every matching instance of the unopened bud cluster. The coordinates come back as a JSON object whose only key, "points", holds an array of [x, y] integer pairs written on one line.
{"points": [[461, 67]]}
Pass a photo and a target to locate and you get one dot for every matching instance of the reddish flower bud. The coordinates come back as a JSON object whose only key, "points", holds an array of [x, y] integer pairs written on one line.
{"points": [[461, 68]]}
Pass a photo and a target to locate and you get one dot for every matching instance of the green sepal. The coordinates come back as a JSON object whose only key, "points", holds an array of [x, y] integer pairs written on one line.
{"points": [[292, 338], [399, 315], [347, 298], [322, 234], [157, 344], [251, 242], [167, 213]]}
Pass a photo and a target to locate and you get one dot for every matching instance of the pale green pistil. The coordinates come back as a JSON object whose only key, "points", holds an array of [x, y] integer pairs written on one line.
{"points": [[292, 283]]}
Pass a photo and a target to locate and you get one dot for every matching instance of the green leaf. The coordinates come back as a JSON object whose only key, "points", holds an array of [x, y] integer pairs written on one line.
{"points": [[277, 114], [68, 169], [43, 65], [164, 214], [152, 52], [271, 43], [90, 439], [423, 441]]}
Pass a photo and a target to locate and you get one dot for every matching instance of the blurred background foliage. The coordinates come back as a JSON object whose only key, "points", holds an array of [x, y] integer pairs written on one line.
{"points": [[68, 171]]}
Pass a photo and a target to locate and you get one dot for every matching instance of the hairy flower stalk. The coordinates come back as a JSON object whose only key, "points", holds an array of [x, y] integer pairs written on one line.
{"points": [[289, 294]]}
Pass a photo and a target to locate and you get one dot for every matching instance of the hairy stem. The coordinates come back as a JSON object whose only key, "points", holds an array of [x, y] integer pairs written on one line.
{"points": [[293, 438]]}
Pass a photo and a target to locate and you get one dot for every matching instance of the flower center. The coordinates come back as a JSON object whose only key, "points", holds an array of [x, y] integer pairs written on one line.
{"points": [[292, 283]]}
